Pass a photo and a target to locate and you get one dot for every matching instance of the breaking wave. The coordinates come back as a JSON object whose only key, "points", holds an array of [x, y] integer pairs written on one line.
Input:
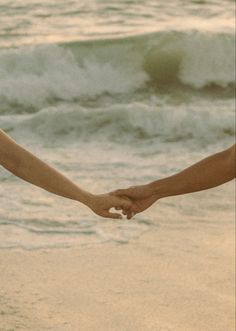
{"points": [[132, 122], [37, 76]]}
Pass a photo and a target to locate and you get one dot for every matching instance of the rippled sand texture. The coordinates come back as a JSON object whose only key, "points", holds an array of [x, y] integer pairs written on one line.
{"points": [[167, 280]]}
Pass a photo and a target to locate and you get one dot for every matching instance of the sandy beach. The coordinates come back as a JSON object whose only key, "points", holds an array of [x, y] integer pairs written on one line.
{"points": [[165, 280], [114, 94]]}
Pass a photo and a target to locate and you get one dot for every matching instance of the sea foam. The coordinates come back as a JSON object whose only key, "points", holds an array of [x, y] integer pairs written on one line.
{"points": [[37, 76], [127, 123]]}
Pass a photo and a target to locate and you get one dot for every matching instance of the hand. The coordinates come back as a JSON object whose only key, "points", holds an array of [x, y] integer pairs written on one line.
{"points": [[101, 204], [141, 196]]}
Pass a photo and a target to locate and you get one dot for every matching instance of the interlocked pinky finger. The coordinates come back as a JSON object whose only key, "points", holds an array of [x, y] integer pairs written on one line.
{"points": [[130, 215]]}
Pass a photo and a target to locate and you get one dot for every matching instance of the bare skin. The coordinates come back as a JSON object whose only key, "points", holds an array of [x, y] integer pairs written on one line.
{"points": [[210, 172], [25, 165]]}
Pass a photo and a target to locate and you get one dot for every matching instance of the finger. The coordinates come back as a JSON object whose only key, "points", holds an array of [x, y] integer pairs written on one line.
{"points": [[130, 215], [123, 203], [107, 214], [129, 212], [126, 204]]}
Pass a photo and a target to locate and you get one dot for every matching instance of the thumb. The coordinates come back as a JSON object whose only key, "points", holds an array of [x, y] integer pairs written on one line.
{"points": [[121, 192], [125, 202]]}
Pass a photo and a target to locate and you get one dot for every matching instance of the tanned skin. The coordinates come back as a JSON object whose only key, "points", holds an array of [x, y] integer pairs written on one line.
{"points": [[23, 164], [210, 172]]}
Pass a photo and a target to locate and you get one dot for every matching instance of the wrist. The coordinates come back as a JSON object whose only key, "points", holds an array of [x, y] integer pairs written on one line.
{"points": [[85, 197], [157, 189]]}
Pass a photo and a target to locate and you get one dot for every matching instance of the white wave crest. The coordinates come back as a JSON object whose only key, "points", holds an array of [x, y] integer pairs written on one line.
{"points": [[36, 77], [126, 123], [32, 77]]}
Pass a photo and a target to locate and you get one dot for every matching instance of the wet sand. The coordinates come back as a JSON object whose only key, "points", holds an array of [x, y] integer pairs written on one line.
{"points": [[163, 281]]}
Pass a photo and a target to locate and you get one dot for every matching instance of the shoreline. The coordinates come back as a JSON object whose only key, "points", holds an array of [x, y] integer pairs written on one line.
{"points": [[164, 280]]}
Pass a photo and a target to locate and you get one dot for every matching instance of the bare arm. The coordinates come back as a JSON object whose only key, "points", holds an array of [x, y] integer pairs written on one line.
{"points": [[25, 165], [210, 172]]}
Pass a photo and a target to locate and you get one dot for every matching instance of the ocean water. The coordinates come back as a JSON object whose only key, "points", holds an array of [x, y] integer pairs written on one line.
{"points": [[114, 93]]}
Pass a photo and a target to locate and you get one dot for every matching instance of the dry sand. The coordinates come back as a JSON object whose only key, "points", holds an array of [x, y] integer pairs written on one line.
{"points": [[165, 280]]}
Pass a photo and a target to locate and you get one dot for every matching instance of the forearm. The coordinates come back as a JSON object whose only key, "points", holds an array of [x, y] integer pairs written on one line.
{"points": [[25, 165], [210, 172]]}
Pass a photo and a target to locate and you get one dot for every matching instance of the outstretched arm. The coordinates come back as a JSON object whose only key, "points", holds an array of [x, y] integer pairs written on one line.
{"points": [[210, 172], [25, 165]]}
